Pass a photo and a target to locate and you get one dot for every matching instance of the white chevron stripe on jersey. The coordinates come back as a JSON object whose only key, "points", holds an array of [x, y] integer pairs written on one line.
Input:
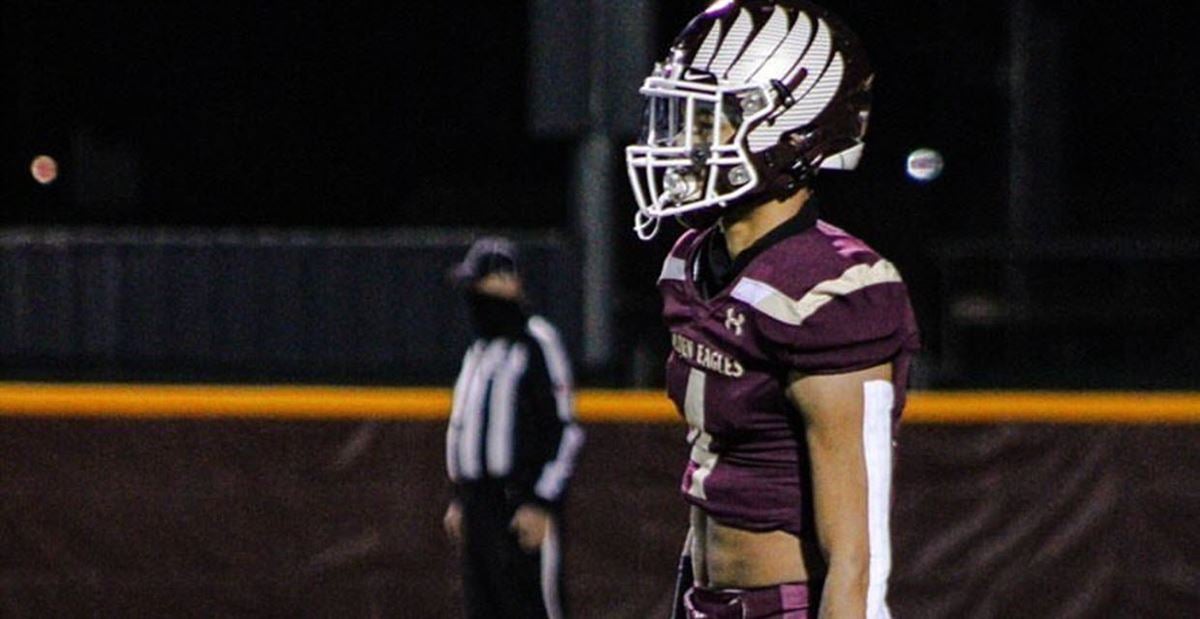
{"points": [[733, 44], [760, 49], [766, 299]]}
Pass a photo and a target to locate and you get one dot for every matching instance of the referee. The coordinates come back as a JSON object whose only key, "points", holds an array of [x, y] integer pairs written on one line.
{"points": [[511, 445]]}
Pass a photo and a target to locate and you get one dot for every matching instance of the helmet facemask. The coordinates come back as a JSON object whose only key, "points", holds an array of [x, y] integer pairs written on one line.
{"points": [[693, 152]]}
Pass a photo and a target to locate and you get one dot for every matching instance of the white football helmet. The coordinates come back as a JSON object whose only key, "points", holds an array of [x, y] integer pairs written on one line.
{"points": [[753, 98]]}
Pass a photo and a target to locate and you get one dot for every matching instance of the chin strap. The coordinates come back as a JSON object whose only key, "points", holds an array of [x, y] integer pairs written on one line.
{"points": [[646, 226], [787, 170]]}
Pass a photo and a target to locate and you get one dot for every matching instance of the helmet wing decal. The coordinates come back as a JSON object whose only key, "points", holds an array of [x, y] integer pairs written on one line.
{"points": [[813, 102], [808, 106], [790, 50], [820, 72], [733, 44], [768, 39], [708, 48], [814, 61]]}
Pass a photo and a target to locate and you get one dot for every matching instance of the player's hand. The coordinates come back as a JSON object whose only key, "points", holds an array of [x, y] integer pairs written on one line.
{"points": [[452, 523], [530, 523]]}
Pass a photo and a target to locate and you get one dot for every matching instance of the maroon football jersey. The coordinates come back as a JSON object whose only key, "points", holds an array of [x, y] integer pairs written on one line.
{"points": [[819, 302]]}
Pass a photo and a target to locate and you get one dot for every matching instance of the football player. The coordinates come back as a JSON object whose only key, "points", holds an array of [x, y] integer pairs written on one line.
{"points": [[791, 339]]}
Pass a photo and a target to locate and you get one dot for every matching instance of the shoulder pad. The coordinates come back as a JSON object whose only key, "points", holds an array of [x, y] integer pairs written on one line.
{"points": [[675, 265]]}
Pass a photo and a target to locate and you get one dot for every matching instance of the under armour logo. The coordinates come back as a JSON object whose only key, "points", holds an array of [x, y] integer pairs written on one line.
{"points": [[734, 320]]}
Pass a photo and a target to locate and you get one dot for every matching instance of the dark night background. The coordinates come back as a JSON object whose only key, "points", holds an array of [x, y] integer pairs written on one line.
{"points": [[270, 192], [308, 114]]}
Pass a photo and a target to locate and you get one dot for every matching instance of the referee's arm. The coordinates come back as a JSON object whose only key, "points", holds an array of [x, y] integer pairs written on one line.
{"points": [[550, 438]]}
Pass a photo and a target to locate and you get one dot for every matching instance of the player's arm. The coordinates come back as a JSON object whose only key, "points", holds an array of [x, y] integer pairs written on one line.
{"points": [[833, 409]]}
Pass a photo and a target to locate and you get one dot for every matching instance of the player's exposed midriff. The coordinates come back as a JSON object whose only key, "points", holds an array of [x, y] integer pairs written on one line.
{"points": [[726, 557]]}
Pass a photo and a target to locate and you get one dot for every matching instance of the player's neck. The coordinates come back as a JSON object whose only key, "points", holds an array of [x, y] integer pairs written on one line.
{"points": [[753, 224]]}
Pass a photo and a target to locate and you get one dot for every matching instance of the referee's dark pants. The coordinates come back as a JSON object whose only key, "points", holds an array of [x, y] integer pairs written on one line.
{"points": [[500, 580]]}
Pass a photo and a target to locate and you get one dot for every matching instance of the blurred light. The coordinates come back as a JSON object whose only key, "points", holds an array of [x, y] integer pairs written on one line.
{"points": [[718, 6], [925, 165], [44, 169]]}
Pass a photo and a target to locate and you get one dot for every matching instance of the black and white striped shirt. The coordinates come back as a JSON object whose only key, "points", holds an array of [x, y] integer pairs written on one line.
{"points": [[513, 416]]}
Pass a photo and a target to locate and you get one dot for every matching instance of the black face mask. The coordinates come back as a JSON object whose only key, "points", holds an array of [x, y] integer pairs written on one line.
{"points": [[495, 317]]}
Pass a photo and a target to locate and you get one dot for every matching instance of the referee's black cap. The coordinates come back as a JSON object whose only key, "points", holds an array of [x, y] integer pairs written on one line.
{"points": [[487, 255]]}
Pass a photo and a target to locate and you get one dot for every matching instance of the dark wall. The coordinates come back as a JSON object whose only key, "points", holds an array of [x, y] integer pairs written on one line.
{"points": [[373, 306], [320, 519], [252, 305]]}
